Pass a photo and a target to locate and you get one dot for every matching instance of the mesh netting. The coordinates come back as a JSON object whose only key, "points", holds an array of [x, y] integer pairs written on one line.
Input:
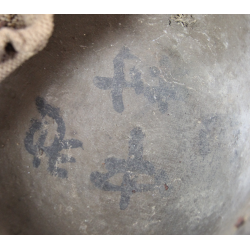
{"points": [[22, 36]]}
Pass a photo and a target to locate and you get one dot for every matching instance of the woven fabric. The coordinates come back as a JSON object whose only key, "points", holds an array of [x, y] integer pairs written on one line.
{"points": [[22, 36]]}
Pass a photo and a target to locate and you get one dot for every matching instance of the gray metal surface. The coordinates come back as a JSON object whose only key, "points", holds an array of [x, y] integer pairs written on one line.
{"points": [[128, 124]]}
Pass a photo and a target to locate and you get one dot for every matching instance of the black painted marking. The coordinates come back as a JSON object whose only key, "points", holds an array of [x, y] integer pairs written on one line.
{"points": [[132, 166], [159, 94], [118, 82], [52, 152]]}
